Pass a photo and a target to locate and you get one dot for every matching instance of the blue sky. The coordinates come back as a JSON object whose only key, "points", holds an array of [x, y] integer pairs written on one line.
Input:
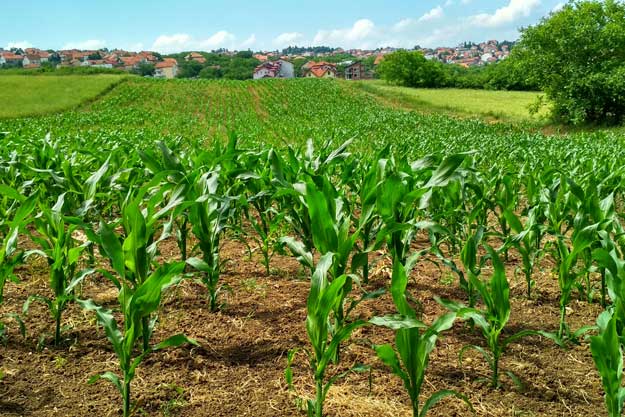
{"points": [[170, 26]]}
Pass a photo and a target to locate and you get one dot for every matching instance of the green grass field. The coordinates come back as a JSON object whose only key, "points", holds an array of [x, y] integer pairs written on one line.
{"points": [[511, 106], [34, 95]]}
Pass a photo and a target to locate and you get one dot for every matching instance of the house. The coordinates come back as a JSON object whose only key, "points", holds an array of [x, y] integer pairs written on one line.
{"points": [[319, 70], [276, 69], [44, 56], [261, 57], [166, 69], [10, 59], [30, 60], [355, 71], [194, 56], [378, 59], [132, 62]]}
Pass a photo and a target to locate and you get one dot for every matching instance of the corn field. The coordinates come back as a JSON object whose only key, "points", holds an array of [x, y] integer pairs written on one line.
{"points": [[407, 264]]}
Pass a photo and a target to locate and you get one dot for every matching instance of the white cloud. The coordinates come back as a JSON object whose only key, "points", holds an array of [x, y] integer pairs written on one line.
{"points": [[287, 39], [19, 45], [249, 42], [221, 39], [435, 13], [403, 24], [558, 7], [90, 44], [171, 43], [185, 42], [361, 34], [508, 14]]}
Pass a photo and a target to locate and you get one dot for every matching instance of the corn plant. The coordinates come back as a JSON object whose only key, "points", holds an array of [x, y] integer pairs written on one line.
{"points": [[10, 256], [472, 263], [610, 260], [404, 194], [527, 240], [607, 353], [58, 246], [182, 177], [493, 319], [333, 233], [210, 216], [414, 341], [132, 254], [138, 305], [568, 273], [262, 215], [325, 344]]}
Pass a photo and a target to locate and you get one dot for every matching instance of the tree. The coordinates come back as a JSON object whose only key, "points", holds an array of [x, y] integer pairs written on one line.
{"points": [[240, 68], [95, 56], [577, 57], [211, 73], [144, 69], [411, 69], [189, 69]]}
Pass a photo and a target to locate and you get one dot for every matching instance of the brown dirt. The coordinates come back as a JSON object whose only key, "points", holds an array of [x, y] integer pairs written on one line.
{"points": [[238, 370]]}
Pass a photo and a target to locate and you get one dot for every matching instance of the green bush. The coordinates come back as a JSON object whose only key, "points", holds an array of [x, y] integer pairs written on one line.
{"points": [[411, 69], [577, 57]]}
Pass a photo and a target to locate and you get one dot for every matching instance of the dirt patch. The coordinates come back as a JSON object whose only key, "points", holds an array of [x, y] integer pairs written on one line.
{"points": [[238, 370]]}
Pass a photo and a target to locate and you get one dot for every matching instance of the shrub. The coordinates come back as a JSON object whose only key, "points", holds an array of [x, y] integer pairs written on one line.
{"points": [[577, 57]]}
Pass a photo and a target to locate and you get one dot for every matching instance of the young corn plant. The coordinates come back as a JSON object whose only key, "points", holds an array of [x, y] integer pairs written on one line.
{"points": [[58, 246], [210, 216], [325, 344], [568, 273], [472, 263], [607, 353], [414, 341], [527, 241], [10, 256], [493, 319], [138, 305], [334, 233], [265, 219], [610, 260], [132, 253]]}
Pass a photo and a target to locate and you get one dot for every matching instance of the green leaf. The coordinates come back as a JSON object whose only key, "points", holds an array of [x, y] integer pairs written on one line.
{"points": [[107, 321], [445, 171], [112, 248], [437, 396], [397, 322], [174, 341], [109, 376]]}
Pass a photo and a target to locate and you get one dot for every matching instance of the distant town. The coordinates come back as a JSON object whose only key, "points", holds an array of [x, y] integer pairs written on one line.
{"points": [[312, 62]]}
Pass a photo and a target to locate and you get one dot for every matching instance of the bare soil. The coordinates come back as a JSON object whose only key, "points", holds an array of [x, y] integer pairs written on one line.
{"points": [[239, 368]]}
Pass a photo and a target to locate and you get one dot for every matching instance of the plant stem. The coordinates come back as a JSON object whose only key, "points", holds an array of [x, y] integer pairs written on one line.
{"points": [[495, 380], [145, 323], [57, 331], [562, 320], [603, 289], [319, 398], [126, 394]]}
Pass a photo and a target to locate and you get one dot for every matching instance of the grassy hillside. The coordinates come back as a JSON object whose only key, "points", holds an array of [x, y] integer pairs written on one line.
{"points": [[31, 95], [511, 106]]}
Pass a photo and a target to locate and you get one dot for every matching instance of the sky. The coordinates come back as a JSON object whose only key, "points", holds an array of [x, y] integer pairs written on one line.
{"points": [[174, 26]]}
